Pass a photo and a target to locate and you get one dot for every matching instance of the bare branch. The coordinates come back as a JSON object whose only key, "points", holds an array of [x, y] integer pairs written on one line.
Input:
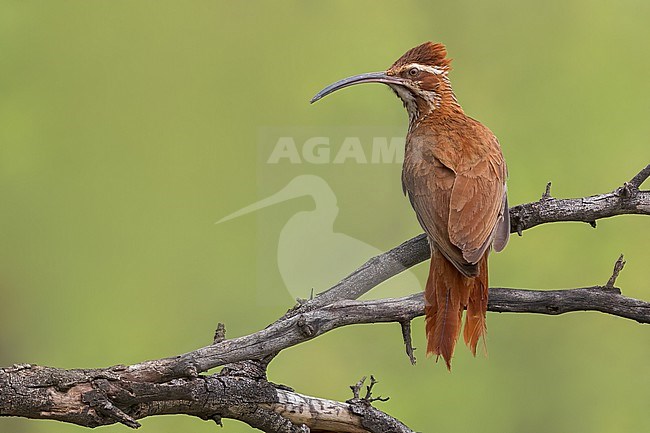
{"points": [[597, 298], [41, 392], [64, 395], [125, 394], [522, 217], [288, 332], [376, 270], [618, 267], [547, 192], [219, 333], [638, 180], [587, 209], [408, 341]]}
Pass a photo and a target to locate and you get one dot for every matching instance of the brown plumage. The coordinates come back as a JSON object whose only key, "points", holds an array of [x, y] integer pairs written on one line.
{"points": [[454, 175]]}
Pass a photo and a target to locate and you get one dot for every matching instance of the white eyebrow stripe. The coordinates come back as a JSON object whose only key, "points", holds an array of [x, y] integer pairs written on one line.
{"points": [[432, 69]]}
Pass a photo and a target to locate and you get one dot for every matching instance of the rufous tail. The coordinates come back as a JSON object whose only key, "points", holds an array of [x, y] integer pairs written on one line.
{"points": [[447, 294]]}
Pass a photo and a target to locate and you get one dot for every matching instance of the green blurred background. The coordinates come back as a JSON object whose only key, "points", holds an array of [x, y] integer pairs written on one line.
{"points": [[127, 128]]}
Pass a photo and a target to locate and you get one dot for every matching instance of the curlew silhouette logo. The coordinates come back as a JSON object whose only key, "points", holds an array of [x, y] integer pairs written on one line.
{"points": [[310, 254]]}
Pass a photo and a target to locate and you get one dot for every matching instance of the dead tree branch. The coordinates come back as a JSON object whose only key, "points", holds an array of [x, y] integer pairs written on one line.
{"points": [[175, 385], [627, 199], [96, 397]]}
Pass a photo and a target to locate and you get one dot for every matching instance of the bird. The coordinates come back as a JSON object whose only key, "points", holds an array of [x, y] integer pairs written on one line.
{"points": [[454, 175], [310, 253]]}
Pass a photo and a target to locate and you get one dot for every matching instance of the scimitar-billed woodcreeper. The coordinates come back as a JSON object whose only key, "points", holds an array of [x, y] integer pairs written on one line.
{"points": [[455, 177]]}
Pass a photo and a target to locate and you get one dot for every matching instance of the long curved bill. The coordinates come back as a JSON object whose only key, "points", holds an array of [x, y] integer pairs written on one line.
{"points": [[372, 77]]}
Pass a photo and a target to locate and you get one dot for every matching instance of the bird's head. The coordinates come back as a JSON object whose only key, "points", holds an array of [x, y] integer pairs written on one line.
{"points": [[419, 78]]}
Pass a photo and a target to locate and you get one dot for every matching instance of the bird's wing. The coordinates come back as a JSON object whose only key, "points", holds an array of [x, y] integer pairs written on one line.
{"points": [[429, 184], [460, 202], [478, 209]]}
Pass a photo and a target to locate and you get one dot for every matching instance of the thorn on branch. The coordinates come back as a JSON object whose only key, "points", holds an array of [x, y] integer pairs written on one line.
{"points": [[547, 193], [219, 333], [217, 419], [408, 342], [592, 223], [618, 267]]}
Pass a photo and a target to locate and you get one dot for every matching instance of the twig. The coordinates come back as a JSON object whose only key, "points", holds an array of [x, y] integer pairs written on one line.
{"points": [[368, 398], [587, 209], [547, 192], [638, 180], [219, 333], [618, 267], [373, 419], [356, 388], [408, 341]]}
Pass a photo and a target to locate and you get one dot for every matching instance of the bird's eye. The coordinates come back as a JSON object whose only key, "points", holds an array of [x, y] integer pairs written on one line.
{"points": [[413, 72]]}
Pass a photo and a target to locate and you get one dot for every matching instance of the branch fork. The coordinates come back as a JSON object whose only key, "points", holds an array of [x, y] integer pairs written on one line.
{"points": [[368, 398]]}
